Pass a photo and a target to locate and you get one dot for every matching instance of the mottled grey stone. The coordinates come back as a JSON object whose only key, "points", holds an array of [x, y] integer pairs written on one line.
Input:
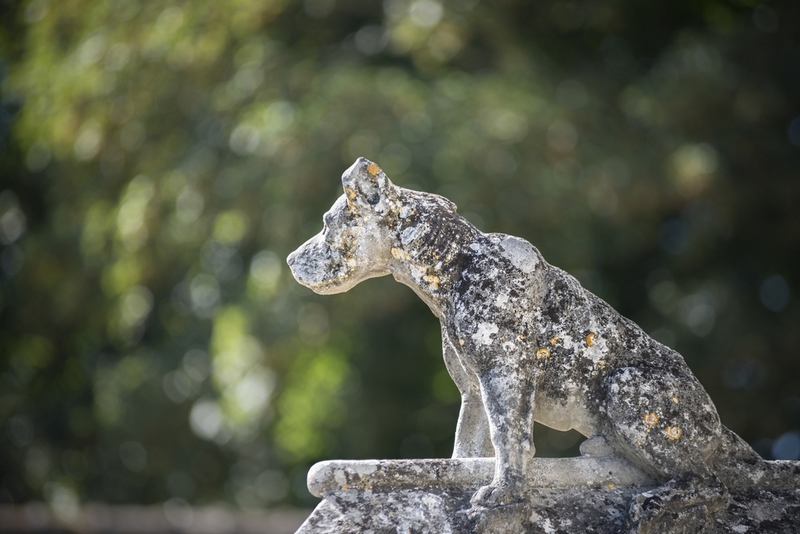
{"points": [[565, 495], [564, 510], [524, 342]]}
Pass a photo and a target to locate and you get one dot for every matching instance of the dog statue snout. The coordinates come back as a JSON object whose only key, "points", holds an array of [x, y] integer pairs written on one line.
{"points": [[292, 258], [306, 272]]}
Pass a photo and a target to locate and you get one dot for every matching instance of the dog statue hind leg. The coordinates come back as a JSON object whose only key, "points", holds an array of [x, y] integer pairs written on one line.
{"points": [[664, 422]]}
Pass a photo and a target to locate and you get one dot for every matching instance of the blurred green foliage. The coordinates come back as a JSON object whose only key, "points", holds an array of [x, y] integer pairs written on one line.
{"points": [[160, 159]]}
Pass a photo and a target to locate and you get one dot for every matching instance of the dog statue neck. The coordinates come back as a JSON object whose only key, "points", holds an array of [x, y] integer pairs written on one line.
{"points": [[430, 250]]}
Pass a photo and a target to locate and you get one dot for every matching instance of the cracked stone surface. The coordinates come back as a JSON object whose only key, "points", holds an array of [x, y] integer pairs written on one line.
{"points": [[525, 342]]}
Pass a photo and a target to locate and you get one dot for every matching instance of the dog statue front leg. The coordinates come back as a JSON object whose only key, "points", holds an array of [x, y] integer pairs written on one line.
{"points": [[509, 404], [472, 431]]}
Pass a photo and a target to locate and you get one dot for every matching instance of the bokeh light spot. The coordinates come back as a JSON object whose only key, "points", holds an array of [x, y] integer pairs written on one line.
{"points": [[774, 293], [571, 94], [230, 227], [787, 446], [562, 136], [426, 13], [133, 456], [794, 131], [205, 419]]}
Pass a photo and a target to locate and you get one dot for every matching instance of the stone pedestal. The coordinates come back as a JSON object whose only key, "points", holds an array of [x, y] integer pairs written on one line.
{"points": [[566, 495]]}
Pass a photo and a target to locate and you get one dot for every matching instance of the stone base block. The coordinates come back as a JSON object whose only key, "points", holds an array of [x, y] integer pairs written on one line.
{"points": [[566, 495]]}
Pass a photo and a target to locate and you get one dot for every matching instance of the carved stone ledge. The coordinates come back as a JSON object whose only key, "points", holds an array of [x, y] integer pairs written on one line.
{"points": [[565, 496], [335, 475]]}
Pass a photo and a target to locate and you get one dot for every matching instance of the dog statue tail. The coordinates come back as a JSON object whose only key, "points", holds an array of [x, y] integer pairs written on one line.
{"points": [[744, 462], [737, 447]]}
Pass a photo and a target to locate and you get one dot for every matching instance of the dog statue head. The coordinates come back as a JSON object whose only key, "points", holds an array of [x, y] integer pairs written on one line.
{"points": [[354, 244]]}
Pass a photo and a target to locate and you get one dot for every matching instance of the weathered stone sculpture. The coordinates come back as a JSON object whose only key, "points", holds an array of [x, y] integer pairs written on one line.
{"points": [[524, 342]]}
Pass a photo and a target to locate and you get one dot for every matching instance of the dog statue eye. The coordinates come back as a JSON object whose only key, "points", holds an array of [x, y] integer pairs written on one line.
{"points": [[373, 199]]}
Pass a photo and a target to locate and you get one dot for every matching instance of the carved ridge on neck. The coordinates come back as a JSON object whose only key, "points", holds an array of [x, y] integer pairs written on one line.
{"points": [[430, 246]]}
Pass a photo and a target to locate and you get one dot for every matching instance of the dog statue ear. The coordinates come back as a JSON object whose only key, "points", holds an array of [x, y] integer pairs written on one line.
{"points": [[366, 184]]}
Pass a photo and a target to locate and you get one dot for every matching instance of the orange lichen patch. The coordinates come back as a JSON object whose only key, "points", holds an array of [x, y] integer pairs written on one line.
{"points": [[542, 354], [373, 169], [611, 486], [673, 432], [650, 419], [432, 280], [461, 342], [639, 442], [521, 336], [399, 254], [350, 193], [591, 339], [553, 340], [675, 400]]}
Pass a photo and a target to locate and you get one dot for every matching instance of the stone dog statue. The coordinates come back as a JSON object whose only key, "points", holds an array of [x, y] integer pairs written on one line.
{"points": [[525, 342]]}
